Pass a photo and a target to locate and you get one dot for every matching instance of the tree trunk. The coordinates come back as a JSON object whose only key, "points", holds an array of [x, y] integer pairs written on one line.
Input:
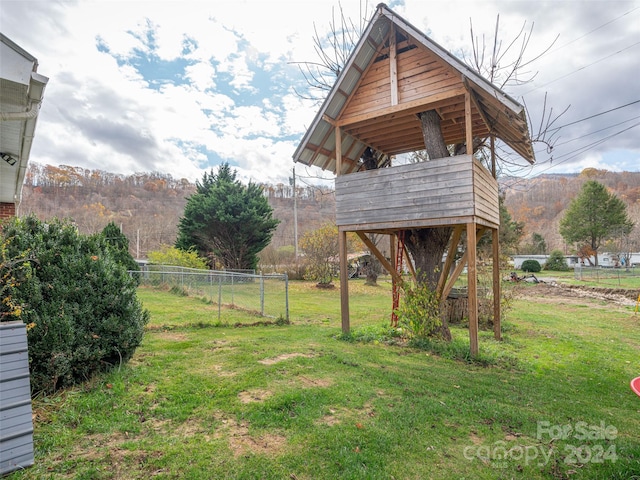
{"points": [[432, 134], [427, 245]]}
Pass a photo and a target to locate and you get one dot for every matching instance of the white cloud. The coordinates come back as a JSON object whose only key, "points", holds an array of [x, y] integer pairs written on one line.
{"points": [[182, 85]]}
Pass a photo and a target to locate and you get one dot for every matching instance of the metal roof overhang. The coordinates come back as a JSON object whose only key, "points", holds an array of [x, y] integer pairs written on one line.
{"points": [[21, 93], [394, 130]]}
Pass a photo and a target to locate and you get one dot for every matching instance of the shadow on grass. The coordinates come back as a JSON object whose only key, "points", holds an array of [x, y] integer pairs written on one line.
{"points": [[457, 349]]}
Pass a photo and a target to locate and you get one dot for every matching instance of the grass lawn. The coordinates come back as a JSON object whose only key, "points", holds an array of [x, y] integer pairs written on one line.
{"points": [[606, 278], [202, 399]]}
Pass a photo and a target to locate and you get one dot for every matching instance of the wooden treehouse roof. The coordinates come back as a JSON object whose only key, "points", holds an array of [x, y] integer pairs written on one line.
{"points": [[394, 73]]}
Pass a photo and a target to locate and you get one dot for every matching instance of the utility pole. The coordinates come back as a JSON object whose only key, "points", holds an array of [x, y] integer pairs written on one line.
{"points": [[295, 214]]}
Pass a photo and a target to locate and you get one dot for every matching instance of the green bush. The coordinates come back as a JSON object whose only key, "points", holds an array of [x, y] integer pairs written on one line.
{"points": [[78, 301], [556, 262], [419, 312], [119, 244], [168, 255], [532, 266]]}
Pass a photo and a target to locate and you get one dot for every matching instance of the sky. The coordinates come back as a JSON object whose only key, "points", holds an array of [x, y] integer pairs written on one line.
{"points": [[179, 87]]}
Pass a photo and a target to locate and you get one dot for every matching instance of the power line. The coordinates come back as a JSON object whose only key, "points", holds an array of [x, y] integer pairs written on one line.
{"points": [[595, 115], [591, 31], [596, 131], [575, 153], [582, 68]]}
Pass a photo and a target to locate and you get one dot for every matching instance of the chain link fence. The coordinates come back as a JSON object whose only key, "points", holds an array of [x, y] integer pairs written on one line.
{"points": [[265, 295], [611, 276]]}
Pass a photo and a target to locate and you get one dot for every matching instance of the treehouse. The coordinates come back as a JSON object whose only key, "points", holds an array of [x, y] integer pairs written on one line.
{"points": [[375, 113]]}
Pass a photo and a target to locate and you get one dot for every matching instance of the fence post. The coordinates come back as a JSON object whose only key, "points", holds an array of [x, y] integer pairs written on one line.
{"points": [[286, 296], [219, 295], [261, 295], [232, 301]]}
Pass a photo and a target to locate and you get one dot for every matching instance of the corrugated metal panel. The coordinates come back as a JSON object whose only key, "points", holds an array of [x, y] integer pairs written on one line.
{"points": [[16, 425]]}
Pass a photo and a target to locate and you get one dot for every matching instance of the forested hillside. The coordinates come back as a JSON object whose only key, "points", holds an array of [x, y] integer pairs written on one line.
{"points": [[540, 202], [148, 206]]}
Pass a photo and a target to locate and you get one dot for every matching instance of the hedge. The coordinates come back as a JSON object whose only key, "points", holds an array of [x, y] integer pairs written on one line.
{"points": [[78, 301]]}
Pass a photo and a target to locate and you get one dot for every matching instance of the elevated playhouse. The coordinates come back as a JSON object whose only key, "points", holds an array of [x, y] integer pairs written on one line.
{"points": [[394, 73]]}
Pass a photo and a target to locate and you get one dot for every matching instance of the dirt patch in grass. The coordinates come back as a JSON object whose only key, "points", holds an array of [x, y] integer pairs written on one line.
{"points": [[256, 395], [169, 335], [108, 448], [221, 372], [241, 442], [190, 428], [334, 417], [576, 294], [283, 357], [314, 382]]}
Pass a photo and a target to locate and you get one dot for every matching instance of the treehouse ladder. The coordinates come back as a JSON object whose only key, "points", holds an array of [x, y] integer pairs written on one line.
{"points": [[396, 283]]}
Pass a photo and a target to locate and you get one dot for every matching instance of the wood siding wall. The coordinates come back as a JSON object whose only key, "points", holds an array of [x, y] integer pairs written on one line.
{"points": [[16, 425], [446, 191], [420, 74]]}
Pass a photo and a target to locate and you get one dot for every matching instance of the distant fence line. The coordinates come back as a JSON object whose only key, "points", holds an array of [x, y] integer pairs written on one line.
{"points": [[605, 274], [266, 295]]}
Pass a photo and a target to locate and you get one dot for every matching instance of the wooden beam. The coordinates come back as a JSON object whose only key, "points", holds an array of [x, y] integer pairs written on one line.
{"points": [[493, 156], [472, 289], [338, 150], [451, 253], [329, 120], [344, 281], [455, 274], [468, 123], [495, 237], [461, 264], [393, 65], [410, 266], [478, 105], [385, 263]]}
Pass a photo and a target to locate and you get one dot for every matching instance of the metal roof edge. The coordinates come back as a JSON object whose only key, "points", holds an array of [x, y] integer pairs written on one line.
{"points": [[318, 118], [7, 41]]}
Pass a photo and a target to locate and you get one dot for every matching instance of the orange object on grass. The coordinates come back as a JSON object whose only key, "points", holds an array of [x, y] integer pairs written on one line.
{"points": [[635, 385]]}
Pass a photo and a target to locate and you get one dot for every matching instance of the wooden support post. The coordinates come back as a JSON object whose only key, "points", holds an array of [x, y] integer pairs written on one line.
{"points": [[496, 284], [393, 66], [468, 123], [342, 248], [458, 270], [344, 281], [451, 254], [412, 269], [493, 157], [338, 151], [385, 263], [472, 285]]}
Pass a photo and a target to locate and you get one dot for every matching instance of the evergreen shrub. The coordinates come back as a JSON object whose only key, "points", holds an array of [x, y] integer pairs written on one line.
{"points": [[556, 262], [532, 266], [78, 301]]}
